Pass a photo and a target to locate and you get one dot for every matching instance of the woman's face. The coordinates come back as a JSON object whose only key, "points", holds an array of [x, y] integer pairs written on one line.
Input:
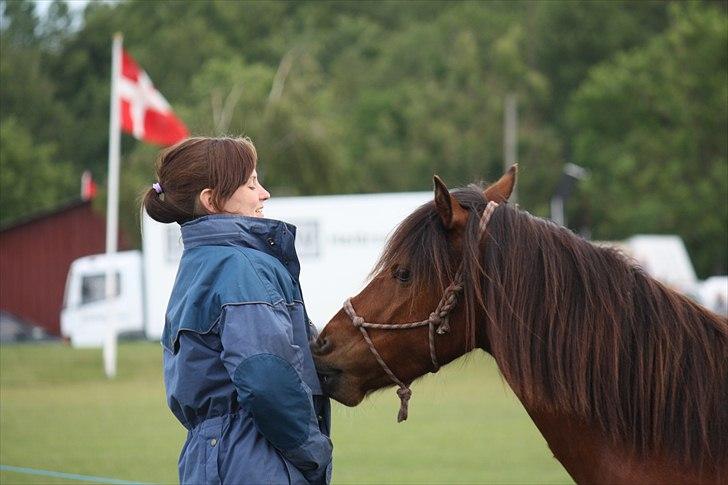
{"points": [[248, 199]]}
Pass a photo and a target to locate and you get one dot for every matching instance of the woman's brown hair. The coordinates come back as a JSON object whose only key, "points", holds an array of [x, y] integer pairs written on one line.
{"points": [[187, 168]]}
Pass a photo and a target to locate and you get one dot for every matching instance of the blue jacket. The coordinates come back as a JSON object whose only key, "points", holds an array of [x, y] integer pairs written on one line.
{"points": [[238, 370]]}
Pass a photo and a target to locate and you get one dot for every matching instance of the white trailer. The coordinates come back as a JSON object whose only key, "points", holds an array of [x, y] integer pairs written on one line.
{"points": [[85, 307]]}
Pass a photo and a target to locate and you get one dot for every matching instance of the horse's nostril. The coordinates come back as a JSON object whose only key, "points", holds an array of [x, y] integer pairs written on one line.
{"points": [[321, 346]]}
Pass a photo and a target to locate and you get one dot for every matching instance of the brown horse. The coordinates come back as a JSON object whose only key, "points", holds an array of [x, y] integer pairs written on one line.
{"points": [[626, 379]]}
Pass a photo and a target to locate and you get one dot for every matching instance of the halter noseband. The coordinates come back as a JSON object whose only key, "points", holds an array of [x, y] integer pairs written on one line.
{"points": [[438, 321]]}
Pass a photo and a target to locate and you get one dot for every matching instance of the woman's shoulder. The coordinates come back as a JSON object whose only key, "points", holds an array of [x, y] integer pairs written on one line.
{"points": [[270, 272]]}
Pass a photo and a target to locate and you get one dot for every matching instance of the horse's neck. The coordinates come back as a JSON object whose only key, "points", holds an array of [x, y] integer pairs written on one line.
{"points": [[590, 457], [574, 444]]}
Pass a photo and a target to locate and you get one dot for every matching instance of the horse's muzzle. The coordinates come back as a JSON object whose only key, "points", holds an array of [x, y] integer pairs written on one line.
{"points": [[320, 346], [329, 378]]}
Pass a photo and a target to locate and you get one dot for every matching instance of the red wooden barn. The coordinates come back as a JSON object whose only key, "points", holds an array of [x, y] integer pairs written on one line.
{"points": [[35, 255]]}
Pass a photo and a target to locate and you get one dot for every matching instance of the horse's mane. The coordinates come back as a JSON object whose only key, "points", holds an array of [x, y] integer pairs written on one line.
{"points": [[582, 329]]}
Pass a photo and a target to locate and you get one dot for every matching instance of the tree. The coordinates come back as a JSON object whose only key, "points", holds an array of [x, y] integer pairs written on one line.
{"points": [[31, 180], [650, 126], [569, 38]]}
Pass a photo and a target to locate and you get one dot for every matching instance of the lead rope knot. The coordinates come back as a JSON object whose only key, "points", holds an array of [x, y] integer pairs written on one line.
{"points": [[358, 321], [404, 393], [444, 324]]}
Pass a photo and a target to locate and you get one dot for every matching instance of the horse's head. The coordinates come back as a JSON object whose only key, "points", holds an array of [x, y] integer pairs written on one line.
{"points": [[418, 286]]}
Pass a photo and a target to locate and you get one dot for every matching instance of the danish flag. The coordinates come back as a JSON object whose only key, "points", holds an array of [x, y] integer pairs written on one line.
{"points": [[145, 113]]}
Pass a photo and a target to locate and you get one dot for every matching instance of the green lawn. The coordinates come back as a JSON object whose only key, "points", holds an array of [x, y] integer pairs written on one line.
{"points": [[58, 412]]}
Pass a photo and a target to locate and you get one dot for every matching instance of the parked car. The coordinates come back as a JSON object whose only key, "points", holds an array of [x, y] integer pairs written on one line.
{"points": [[15, 330]]}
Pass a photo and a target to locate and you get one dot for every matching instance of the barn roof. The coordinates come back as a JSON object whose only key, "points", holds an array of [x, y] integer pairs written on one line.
{"points": [[43, 214]]}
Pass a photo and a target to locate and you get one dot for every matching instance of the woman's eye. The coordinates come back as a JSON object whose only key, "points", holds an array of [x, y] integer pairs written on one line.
{"points": [[403, 274]]}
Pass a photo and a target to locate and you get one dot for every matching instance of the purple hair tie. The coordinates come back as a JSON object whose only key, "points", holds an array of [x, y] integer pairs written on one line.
{"points": [[157, 188]]}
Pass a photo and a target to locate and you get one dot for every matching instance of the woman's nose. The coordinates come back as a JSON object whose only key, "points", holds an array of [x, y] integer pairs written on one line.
{"points": [[264, 194]]}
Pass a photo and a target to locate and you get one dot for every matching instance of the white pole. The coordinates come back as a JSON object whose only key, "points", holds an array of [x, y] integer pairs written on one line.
{"points": [[112, 209], [557, 210]]}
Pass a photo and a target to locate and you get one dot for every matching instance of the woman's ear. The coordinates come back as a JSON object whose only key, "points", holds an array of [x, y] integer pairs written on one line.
{"points": [[205, 198]]}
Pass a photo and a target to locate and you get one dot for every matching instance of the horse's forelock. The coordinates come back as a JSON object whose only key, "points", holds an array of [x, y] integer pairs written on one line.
{"points": [[421, 242]]}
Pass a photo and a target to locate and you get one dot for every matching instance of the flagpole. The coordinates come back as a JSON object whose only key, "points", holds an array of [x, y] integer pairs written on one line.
{"points": [[112, 207]]}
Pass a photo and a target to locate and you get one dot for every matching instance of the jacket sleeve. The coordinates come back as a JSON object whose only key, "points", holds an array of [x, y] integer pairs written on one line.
{"points": [[266, 367]]}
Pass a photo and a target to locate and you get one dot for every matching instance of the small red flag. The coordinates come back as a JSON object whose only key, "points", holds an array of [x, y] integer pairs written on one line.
{"points": [[145, 113], [88, 186]]}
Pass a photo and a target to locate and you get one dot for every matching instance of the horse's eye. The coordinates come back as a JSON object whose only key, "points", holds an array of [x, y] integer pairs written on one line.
{"points": [[402, 274]]}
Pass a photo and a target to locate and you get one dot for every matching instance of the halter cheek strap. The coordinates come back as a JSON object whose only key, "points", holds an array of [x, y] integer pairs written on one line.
{"points": [[438, 321]]}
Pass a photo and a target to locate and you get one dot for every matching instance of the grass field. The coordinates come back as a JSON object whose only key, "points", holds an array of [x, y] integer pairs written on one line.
{"points": [[58, 412]]}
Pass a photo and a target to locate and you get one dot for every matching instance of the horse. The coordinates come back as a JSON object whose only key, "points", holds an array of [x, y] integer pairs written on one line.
{"points": [[626, 379]]}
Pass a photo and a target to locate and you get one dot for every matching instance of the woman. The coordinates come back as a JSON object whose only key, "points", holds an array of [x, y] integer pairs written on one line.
{"points": [[237, 367]]}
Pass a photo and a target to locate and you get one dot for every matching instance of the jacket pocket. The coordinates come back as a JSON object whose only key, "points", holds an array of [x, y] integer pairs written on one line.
{"points": [[212, 470], [194, 464], [209, 438]]}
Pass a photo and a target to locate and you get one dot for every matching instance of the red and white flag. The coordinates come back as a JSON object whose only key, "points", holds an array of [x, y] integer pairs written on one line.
{"points": [[145, 113]]}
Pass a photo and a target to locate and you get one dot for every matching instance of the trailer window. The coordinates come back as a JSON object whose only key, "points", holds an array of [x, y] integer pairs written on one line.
{"points": [[93, 287]]}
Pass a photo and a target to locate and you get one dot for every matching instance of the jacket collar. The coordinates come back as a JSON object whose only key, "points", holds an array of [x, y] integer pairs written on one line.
{"points": [[269, 236]]}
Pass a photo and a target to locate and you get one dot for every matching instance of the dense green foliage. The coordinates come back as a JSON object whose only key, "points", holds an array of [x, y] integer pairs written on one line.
{"points": [[377, 96], [60, 413]]}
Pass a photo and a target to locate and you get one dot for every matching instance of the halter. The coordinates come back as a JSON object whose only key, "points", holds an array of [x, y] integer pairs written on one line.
{"points": [[438, 321]]}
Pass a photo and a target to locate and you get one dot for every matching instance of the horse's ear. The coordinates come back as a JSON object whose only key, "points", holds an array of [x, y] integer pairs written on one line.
{"points": [[501, 190], [451, 212]]}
